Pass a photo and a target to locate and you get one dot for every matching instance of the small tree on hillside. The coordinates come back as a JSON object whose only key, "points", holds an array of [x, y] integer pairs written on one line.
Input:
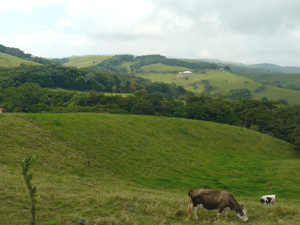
{"points": [[283, 101], [239, 93], [227, 68], [26, 163]]}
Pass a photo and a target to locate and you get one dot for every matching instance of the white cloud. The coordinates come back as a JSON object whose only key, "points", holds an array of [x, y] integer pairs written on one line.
{"points": [[26, 6], [205, 54], [3, 39], [243, 31], [77, 41], [63, 23]]}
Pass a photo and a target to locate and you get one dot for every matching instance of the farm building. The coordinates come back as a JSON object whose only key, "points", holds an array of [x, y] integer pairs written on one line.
{"points": [[186, 72]]}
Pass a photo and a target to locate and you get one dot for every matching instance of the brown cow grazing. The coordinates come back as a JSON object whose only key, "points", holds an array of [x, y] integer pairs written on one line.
{"points": [[214, 199], [2, 110]]}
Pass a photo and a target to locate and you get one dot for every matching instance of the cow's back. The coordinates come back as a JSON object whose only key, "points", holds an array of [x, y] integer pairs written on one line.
{"points": [[210, 199]]}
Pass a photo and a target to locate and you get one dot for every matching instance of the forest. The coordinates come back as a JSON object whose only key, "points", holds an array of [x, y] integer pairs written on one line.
{"points": [[53, 76]]}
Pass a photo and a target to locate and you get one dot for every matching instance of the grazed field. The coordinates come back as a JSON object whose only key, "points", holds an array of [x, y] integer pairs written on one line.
{"points": [[85, 61], [12, 61], [222, 83], [141, 168]]}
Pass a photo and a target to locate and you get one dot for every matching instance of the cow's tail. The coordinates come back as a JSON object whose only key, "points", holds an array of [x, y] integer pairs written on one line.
{"points": [[190, 204]]}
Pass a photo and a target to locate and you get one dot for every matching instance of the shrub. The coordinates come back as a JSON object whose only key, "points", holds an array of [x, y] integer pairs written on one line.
{"points": [[260, 89]]}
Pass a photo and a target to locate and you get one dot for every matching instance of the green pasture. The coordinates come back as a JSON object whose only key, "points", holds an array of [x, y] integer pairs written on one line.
{"points": [[121, 94], [85, 61], [65, 89], [127, 64], [274, 79], [105, 93], [222, 83], [140, 169], [161, 68], [12, 61]]}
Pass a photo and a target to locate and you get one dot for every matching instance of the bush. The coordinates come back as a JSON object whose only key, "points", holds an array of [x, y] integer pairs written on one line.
{"points": [[260, 89], [283, 101], [254, 127]]}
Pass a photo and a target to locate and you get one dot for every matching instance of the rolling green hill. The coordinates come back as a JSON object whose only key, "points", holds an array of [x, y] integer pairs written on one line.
{"points": [[85, 61], [140, 170], [222, 82], [275, 79], [12, 61], [161, 68]]}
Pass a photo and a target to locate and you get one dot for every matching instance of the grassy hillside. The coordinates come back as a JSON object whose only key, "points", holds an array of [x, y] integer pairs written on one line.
{"points": [[222, 83], [85, 61], [12, 61], [161, 68], [274, 79], [140, 169], [106, 93]]}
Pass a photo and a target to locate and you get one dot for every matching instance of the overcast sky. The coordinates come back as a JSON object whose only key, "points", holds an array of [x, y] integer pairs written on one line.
{"points": [[245, 31]]}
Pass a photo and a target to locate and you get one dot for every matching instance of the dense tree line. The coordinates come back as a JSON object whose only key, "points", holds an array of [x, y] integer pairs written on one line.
{"points": [[269, 117], [84, 79]]}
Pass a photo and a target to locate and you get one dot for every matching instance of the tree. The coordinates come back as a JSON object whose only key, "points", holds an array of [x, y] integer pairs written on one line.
{"points": [[196, 110], [26, 95], [227, 68], [283, 101], [143, 108], [25, 164], [239, 93], [260, 89]]}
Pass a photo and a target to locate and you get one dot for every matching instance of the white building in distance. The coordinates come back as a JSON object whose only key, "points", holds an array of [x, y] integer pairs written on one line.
{"points": [[186, 72]]}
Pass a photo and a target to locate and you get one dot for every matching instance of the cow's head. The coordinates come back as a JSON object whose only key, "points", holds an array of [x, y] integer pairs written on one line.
{"points": [[243, 214]]}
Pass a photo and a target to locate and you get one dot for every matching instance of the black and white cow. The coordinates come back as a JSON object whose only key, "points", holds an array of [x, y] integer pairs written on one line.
{"points": [[268, 199], [215, 199]]}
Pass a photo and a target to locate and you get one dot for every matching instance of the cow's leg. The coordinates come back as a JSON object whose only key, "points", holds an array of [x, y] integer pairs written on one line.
{"points": [[273, 202], [220, 209], [200, 206], [195, 212], [219, 212], [190, 208], [226, 210]]}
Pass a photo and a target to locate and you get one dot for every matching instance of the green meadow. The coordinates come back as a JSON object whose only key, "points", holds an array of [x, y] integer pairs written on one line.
{"points": [[12, 61], [274, 79], [105, 93], [85, 61], [128, 169], [161, 68], [221, 83]]}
